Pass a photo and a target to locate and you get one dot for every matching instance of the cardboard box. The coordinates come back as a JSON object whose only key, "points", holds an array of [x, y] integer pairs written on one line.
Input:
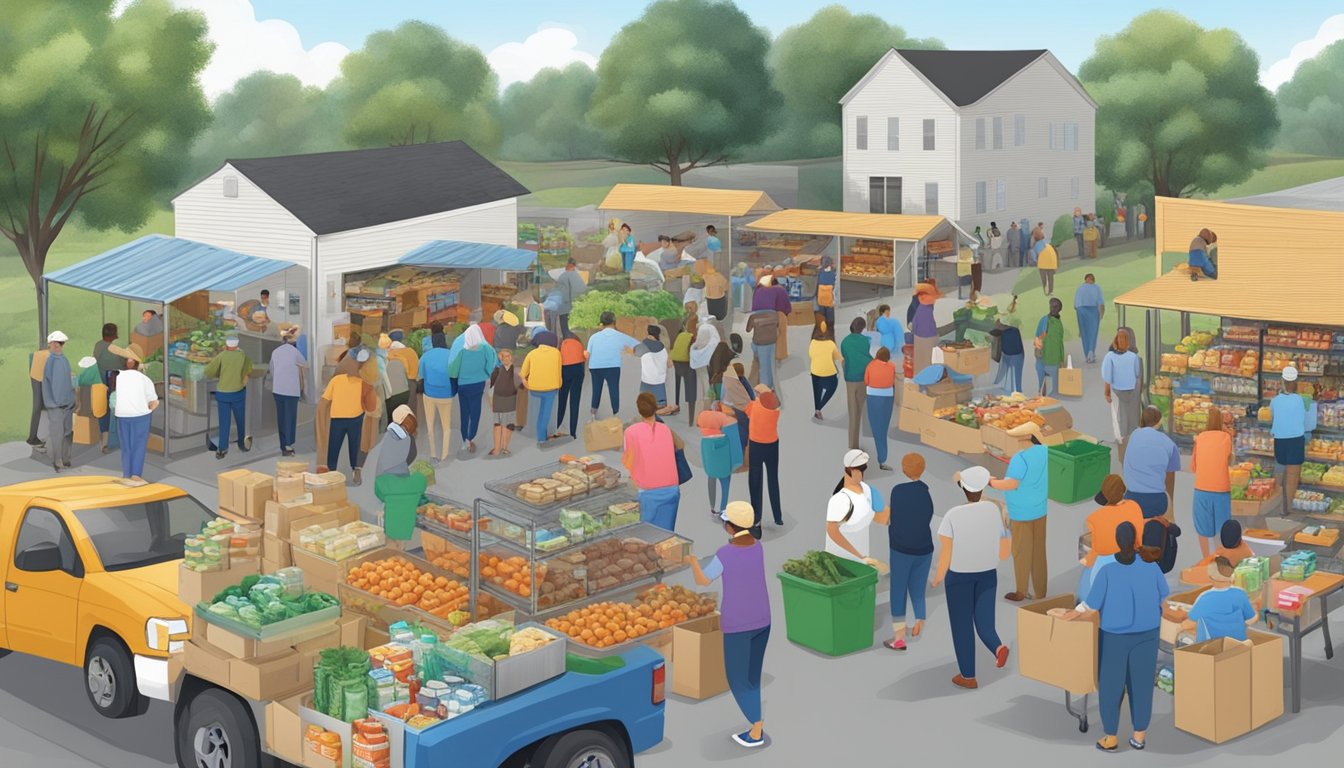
{"points": [[320, 573], [308, 715], [698, 647], [206, 662], [276, 551], [342, 332], [911, 420], [251, 493], [1071, 382], [326, 488], [928, 401], [374, 636], [1266, 677], [1060, 653], [273, 677], [973, 361], [1213, 689], [239, 647], [196, 587], [997, 441], [663, 645], [86, 430], [950, 436], [281, 514], [1170, 629], [225, 481], [333, 519], [288, 488], [148, 344], [1064, 436], [352, 630], [284, 729]]}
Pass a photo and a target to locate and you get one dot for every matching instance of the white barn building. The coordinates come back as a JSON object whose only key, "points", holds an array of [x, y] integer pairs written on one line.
{"points": [[977, 136], [342, 212]]}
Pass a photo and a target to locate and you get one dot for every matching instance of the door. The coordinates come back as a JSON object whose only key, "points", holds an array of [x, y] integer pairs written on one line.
{"points": [[42, 599]]}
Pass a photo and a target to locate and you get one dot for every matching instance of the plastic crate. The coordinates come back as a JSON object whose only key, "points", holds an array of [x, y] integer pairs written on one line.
{"points": [[834, 620], [1076, 470]]}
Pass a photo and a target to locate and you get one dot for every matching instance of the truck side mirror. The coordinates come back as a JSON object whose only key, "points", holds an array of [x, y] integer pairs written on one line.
{"points": [[39, 558]]}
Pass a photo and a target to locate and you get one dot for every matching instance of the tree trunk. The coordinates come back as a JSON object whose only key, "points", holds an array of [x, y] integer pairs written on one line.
{"points": [[674, 172], [41, 314]]}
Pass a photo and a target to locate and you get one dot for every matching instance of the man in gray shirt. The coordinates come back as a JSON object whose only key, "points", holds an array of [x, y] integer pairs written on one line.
{"points": [[571, 286], [764, 329], [58, 398], [286, 370]]}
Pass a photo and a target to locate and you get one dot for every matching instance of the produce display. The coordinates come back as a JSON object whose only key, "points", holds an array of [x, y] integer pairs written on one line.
{"points": [[1242, 474], [658, 304], [1227, 360], [449, 515], [1299, 338], [816, 567], [1259, 489], [1190, 415], [1008, 411], [201, 343], [603, 625], [340, 683], [1314, 501], [1161, 385], [868, 259], [1174, 362], [401, 582], [1321, 449], [1199, 340], [260, 601], [1306, 363], [341, 543], [1254, 441]]}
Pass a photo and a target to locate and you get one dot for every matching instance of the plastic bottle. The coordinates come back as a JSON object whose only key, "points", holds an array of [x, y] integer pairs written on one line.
{"points": [[428, 666]]}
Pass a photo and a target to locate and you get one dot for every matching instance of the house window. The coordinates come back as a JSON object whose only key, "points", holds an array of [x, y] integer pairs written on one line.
{"points": [[1071, 136], [1042, 187], [861, 133], [230, 186], [893, 134], [1073, 188], [931, 197], [979, 197], [979, 133], [1019, 130], [1000, 195], [1051, 128], [998, 133], [928, 135], [884, 194]]}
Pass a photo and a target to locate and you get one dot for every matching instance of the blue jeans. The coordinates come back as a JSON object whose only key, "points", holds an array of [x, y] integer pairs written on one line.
{"points": [[823, 388], [348, 430], [1089, 323], [1152, 504], [1126, 664], [909, 575], [545, 401], [765, 362], [469, 403], [1044, 371], [231, 404], [612, 378], [743, 658], [715, 483], [879, 420], [659, 391], [628, 260], [658, 506], [286, 418], [134, 439], [1010, 373], [970, 611]]}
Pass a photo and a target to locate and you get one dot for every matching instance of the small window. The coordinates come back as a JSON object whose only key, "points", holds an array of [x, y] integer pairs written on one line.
{"points": [[877, 194], [979, 133], [1050, 127], [1070, 137], [998, 133], [979, 197], [861, 133], [928, 135], [893, 134], [230, 186], [1000, 195], [931, 197], [1042, 187], [894, 195], [42, 526], [1019, 130], [1073, 188]]}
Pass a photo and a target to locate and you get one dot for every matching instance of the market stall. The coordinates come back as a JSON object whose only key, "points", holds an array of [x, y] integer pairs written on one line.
{"points": [[201, 293]]}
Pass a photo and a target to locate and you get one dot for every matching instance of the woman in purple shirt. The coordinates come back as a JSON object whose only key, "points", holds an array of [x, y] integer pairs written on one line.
{"points": [[768, 295], [745, 613]]}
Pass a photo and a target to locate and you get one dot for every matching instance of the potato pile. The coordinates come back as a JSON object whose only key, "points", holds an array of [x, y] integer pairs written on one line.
{"points": [[400, 582], [611, 562], [603, 625]]}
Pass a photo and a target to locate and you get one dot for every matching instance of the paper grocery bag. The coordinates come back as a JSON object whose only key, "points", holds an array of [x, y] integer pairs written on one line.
{"points": [[604, 435], [1071, 382]]}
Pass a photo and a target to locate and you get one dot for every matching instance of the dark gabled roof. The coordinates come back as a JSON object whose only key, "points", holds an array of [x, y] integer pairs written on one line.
{"points": [[341, 191], [966, 77]]}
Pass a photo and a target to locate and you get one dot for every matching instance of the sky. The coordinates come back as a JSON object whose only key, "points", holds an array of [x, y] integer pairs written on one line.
{"points": [[308, 37]]}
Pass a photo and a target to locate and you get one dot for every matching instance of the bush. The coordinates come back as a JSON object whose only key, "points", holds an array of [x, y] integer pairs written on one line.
{"points": [[1062, 232]]}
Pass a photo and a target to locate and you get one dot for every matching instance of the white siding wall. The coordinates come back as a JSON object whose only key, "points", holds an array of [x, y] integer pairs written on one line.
{"points": [[1043, 94], [250, 223], [896, 91]]}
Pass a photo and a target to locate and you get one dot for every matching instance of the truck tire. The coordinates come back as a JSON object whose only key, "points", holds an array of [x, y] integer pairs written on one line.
{"points": [[581, 749], [109, 679], [215, 731]]}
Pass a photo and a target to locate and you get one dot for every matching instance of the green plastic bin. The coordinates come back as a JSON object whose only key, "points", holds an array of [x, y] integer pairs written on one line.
{"points": [[1076, 470], [834, 620]]}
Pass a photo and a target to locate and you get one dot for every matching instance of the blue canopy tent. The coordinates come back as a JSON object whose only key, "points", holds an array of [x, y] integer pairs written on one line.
{"points": [[157, 269], [476, 257]]}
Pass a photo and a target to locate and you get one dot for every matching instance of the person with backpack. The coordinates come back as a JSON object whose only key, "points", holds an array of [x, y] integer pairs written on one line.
{"points": [[825, 303], [852, 510]]}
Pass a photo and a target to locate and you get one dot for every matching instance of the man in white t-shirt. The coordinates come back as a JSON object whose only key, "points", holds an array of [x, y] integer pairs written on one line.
{"points": [[136, 400], [653, 365], [852, 510], [974, 538]]}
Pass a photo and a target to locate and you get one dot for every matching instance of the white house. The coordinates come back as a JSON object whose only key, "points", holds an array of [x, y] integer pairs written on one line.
{"points": [[342, 212], [978, 136]]}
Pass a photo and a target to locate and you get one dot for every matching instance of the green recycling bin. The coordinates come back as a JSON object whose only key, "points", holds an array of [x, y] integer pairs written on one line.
{"points": [[834, 620], [1076, 470]]}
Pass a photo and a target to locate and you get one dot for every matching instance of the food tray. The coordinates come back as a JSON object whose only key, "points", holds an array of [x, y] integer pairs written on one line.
{"points": [[442, 529], [508, 487], [507, 676], [588, 652], [270, 631], [378, 608]]}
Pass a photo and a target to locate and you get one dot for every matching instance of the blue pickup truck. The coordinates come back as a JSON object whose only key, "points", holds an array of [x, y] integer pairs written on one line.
{"points": [[599, 714]]}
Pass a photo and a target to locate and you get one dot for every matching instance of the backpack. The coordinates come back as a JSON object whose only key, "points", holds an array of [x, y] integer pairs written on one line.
{"points": [[825, 295], [1159, 533]]}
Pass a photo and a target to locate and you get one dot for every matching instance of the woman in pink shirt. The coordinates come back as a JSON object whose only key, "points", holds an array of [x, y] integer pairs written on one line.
{"points": [[650, 455]]}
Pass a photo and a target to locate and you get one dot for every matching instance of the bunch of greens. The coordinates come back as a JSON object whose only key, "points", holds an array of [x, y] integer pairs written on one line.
{"points": [[657, 304], [340, 683], [488, 638], [261, 600], [422, 467], [588, 308], [415, 338], [817, 567]]}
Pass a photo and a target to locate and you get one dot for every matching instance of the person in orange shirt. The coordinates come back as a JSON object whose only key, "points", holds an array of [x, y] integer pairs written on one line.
{"points": [[763, 455], [1233, 547], [880, 380], [573, 358], [1101, 524], [1210, 460]]}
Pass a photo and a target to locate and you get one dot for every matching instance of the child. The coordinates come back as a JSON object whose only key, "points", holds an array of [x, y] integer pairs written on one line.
{"points": [[505, 384], [1221, 611]]}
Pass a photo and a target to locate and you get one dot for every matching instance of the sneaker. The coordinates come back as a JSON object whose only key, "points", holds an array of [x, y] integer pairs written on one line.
{"points": [[1015, 597], [896, 645], [1001, 656], [221, 454], [965, 682], [744, 739]]}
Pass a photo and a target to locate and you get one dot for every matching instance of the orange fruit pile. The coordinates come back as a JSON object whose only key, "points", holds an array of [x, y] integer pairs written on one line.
{"points": [[398, 581], [606, 624]]}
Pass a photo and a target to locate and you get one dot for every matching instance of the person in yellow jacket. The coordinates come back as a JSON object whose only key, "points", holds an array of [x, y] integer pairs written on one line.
{"points": [[541, 374], [1047, 261]]}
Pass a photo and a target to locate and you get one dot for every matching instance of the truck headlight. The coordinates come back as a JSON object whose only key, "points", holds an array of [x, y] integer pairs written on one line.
{"points": [[166, 635]]}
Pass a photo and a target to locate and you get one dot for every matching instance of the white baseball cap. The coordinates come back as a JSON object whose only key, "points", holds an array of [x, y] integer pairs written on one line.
{"points": [[974, 479], [855, 458], [57, 336], [739, 513], [232, 341], [1290, 374], [87, 362], [363, 355]]}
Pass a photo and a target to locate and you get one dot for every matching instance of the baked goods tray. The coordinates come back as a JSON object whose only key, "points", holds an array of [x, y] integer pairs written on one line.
{"points": [[507, 487]]}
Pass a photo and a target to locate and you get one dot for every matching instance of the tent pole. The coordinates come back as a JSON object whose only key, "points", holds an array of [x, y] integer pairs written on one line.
{"points": [[166, 403], [46, 309], [732, 303]]}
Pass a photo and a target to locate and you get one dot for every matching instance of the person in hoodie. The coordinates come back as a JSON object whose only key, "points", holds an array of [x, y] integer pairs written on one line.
{"points": [[653, 365]]}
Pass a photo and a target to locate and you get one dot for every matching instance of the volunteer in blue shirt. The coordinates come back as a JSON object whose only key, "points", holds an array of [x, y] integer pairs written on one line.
{"points": [[1120, 376], [1223, 610], [889, 328], [605, 349], [712, 243], [1090, 306], [1150, 466], [438, 390], [1128, 594], [1025, 484], [1292, 418]]}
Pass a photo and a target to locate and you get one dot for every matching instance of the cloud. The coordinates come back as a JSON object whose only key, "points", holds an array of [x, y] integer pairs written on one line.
{"points": [[1281, 71], [244, 45], [549, 46]]}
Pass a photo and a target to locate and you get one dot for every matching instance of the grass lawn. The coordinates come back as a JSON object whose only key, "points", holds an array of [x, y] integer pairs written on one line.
{"points": [[1285, 172]]}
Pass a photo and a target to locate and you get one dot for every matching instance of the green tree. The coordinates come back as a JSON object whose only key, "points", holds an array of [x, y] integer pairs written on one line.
{"points": [[1311, 105], [96, 114], [682, 85], [546, 117], [264, 115], [814, 64], [1180, 108], [415, 84]]}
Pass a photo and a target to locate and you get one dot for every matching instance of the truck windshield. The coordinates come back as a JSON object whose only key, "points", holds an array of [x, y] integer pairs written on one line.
{"points": [[136, 535]]}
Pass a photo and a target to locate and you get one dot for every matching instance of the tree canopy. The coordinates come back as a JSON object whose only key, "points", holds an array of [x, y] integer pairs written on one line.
{"points": [[1311, 105], [546, 117]]}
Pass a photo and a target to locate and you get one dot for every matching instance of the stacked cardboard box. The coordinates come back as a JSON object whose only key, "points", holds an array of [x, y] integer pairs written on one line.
{"points": [[266, 670], [303, 499], [918, 405], [245, 493]]}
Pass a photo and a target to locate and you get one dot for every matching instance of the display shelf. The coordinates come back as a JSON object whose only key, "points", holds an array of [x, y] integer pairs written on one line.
{"points": [[883, 280], [1204, 372], [610, 480]]}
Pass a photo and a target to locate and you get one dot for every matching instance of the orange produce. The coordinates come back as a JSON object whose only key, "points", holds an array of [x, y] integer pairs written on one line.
{"points": [[603, 625], [400, 582]]}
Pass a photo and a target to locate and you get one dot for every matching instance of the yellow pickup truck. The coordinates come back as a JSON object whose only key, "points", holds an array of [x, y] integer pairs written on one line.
{"points": [[91, 571]]}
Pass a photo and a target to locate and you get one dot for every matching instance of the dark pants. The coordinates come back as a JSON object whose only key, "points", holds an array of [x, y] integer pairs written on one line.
{"points": [[469, 398], [35, 419], [744, 658], [348, 430], [823, 389], [684, 372], [828, 313], [1152, 504], [1125, 666], [612, 378], [717, 307], [571, 393], [764, 460], [231, 404], [970, 611], [563, 323], [286, 418]]}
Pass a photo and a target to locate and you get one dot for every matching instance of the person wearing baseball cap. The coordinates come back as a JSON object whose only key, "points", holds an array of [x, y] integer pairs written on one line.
{"points": [[1292, 416], [231, 369], [287, 373], [852, 510], [1025, 486], [744, 613], [395, 484], [59, 400], [973, 539]]}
